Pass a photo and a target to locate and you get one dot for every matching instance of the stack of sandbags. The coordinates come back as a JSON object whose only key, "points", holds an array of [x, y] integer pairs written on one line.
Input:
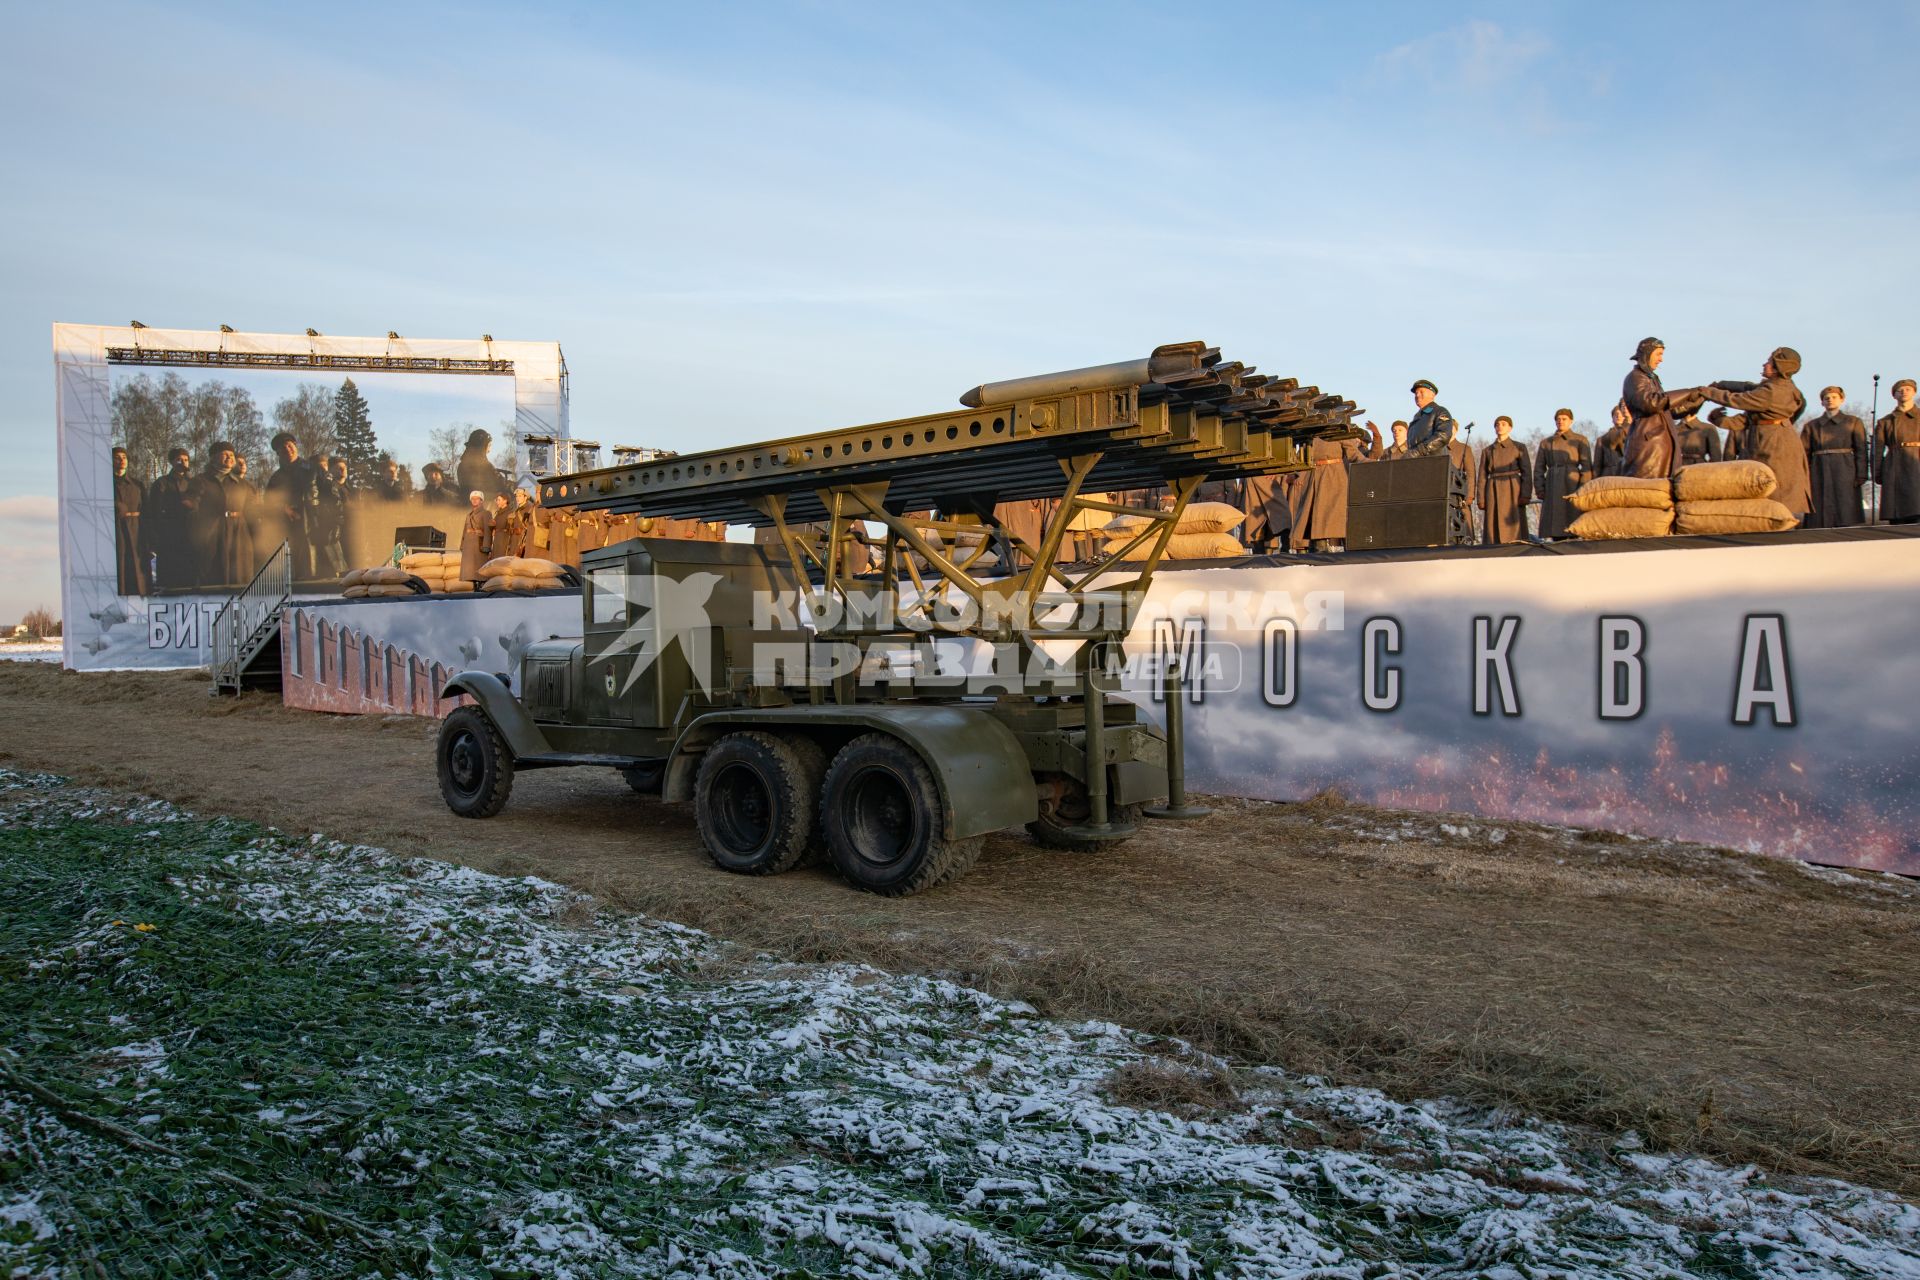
{"points": [[1203, 532], [521, 573], [1623, 507], [440, 570], [1728, 497], [957, 549], [381, 580]]}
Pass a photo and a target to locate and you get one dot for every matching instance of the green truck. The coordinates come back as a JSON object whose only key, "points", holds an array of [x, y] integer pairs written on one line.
{"points": [[894, 670]]}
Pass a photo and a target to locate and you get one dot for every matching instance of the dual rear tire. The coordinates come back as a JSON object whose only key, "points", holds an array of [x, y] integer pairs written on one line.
{"points": [[766, 803]]}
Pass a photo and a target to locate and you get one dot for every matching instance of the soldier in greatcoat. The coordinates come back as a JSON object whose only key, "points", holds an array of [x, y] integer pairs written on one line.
{"points": [[1506, 485], [129, 545], [1836, 464], [220, 521], [1772, 406], [1321, 517], [476, 536], [1610, 450], [1896, 462], [289, 510], [167, 523], [1398, 449], [1699, 441], [1562, 463]]}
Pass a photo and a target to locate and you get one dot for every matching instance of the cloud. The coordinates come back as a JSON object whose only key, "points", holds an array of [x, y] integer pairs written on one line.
{"points": [[33, 510], [1475, 56]]}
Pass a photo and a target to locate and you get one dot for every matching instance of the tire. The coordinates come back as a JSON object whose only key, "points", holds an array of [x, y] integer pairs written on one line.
{"points": [[813, 764], [645, 779], [880, 808], [753, 801], [1071, 810], [475, 766]]}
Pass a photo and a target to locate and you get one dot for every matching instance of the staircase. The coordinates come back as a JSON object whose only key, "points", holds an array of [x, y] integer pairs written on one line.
{"points": [[246, 631]]}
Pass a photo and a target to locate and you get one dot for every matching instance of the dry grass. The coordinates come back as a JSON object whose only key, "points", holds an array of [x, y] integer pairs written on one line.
{"points": [[1712, 1001], [1189, 1089]]}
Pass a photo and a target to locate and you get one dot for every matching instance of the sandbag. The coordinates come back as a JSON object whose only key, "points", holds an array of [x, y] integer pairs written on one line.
{"points": [[356, 591], [1610, 492], [415, 561], [395, 589], [526, 566], [353, 578], [1622, 522], [1184, 546], [1714, 481], [1733, 515], [523, 582], [1208, 517], [384, 575]]}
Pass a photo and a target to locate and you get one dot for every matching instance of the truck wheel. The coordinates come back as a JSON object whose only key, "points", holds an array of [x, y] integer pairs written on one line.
{"points": [[1063, 806], [476, 769], [881, 811], [753, 800]]}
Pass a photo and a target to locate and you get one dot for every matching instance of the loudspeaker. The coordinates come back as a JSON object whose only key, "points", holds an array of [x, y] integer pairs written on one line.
{"points": [[1430, 522], [1433, 478], [420, 535]]}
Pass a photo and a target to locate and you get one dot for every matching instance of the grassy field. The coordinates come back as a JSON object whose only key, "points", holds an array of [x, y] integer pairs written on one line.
{"points": [[229, 1052]]}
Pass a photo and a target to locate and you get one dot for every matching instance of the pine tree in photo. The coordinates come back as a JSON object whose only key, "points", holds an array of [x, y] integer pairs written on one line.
{"points": [[353, 436]]}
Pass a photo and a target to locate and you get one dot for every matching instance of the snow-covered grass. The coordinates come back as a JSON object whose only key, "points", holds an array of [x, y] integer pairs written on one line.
{"points": [[231, 1052]]}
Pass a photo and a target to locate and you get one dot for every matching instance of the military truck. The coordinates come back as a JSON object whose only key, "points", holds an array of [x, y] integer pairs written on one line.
{"points": [[894, 670]]}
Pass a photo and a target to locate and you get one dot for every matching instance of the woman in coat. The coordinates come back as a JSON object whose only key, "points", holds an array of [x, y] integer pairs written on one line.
{"points": [[475, 537], [1505, 485]]}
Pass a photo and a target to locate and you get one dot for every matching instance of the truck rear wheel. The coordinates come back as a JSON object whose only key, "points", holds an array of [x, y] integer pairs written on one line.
{"points": [[753, 800], [475, 766], [881, 810]]}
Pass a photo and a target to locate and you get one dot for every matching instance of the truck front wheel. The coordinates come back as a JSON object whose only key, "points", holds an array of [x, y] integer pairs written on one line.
{"points": [[476, 768], [880, 807], [753, 800]]}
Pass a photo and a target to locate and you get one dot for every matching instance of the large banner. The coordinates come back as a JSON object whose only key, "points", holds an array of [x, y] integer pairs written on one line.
{"points": [[187, 458], [1757, 695]]}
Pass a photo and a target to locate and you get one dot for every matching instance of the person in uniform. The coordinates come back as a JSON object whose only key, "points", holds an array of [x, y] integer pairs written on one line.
{"points": [[1699, 441], [1269, 514], [1430, 429], [1320, 518], [1896, 460], [1771, 405], [387, 485], [166, 520], [220, 521], [475, 470], [592, 532], [1610, 450], [1506, 484], [347, 526], [1463, 462], [1653, 451], [1836, 464], [474, 537], [291, 505], [434, 489], [250, 511], [1398, 449], [1563, 462], [129, 550], [1025, 519]]}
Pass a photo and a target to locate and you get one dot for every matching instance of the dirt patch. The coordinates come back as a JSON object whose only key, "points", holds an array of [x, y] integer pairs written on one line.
{"points": [[1751, 1008]]}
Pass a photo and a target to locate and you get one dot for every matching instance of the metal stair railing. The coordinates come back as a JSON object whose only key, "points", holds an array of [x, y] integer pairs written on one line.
{"points": [[248, 621]]}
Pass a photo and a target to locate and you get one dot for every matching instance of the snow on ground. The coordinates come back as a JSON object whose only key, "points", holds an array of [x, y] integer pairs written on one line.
{"points": [[905, 1126], [31, 651]]}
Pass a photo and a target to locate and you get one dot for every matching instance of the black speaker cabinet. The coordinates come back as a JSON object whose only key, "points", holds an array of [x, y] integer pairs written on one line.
{"points": [[1428, 522], [1405, 480]]}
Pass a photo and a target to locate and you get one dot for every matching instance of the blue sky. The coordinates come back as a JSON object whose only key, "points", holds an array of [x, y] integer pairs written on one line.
{"points": [[744, 221]]}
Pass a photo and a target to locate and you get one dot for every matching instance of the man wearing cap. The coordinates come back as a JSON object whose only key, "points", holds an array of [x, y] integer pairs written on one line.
{"points": [[1653, 452], [1562, 463], [1771, 405], [1836, 464], [130, 549], [1896, 443], [291, 505], [1398, 449], [1430, 429], [1610, 450]]}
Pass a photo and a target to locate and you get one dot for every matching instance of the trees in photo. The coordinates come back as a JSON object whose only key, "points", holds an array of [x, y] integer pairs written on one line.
{"points": [[353, 435], [41, 624], [151, 417], [307, 415]]}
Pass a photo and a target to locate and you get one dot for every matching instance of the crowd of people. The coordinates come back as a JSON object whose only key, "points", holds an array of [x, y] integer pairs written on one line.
{"points": [[1822, 469]]}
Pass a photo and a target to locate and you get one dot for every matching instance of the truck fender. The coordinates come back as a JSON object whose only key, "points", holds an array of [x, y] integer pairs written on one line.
{"points": [[493, 698], [985, 779]]}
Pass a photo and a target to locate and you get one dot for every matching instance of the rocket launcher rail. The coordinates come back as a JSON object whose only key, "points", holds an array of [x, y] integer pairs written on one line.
{"points": [[1181, 414]]}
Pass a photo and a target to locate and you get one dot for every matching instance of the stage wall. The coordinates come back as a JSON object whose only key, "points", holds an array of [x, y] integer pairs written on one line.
{"points": [[1757, 695]]}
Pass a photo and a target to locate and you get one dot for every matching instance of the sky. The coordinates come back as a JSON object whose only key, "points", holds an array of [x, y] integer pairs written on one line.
{"points": [[746, 221]]}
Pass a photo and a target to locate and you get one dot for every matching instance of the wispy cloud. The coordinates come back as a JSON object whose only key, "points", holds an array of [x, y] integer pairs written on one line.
{"points": [[1476, 56]]}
